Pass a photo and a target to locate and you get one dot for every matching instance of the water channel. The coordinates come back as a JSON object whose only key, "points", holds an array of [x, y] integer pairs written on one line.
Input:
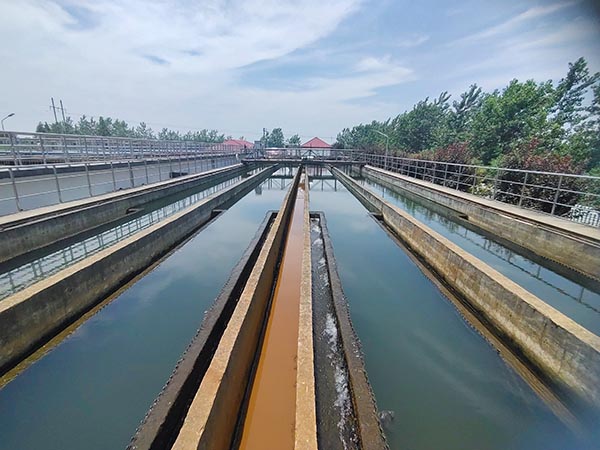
{"points": [[93, 389], [447, 387]]}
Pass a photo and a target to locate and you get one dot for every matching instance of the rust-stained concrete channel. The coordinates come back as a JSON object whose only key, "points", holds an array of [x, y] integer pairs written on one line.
{"points": [[260, 389]]}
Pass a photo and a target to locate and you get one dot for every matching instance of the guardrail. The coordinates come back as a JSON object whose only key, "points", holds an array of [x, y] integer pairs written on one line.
{"points": [[575, 197], [29, 187], [306, 154], [19, 148]]}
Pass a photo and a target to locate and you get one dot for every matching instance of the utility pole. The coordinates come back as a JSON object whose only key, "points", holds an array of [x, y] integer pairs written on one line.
{"points": [[62, 110], [54, 110]]}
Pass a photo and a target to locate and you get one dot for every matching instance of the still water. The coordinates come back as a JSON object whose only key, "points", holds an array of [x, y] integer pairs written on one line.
{"points": [[580, 304], [447, 386], [94, 388], [20, 277]]}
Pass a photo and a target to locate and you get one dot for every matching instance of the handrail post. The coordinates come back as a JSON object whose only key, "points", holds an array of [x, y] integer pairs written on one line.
{"points": [[112, 169], [131, 179], [87, 175], [14, 186], [57, 183], [523, 189], [43, 147], [146, 169], [560, 178], [65, 149]]}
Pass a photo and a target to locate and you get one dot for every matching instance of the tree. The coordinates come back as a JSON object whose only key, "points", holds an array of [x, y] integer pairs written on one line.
{"points": [[511, 118], [276, 138], [143, 131], [104, 127], [294, 141]]}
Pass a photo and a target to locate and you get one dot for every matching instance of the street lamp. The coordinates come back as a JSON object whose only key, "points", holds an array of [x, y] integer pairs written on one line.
{"points": [[10, 115], [387, 147]]}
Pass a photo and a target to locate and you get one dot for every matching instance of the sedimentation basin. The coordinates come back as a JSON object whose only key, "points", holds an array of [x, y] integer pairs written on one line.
{"points": [[437, 381]]}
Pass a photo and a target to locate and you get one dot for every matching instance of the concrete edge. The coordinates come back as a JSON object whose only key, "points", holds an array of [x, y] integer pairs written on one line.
{"points": [[305, 436], [371, 433], [33, 315], [23, 237], [563, 350], [214, 412], [161, 424], [577, 251]]}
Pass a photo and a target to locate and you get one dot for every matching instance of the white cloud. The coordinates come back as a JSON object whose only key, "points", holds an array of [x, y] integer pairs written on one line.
{"points": [[412, 41], [512, 23], [167, 60]]}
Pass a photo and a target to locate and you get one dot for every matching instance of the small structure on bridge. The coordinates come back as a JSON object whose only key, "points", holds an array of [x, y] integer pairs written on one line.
{"points": [[316, 143]]}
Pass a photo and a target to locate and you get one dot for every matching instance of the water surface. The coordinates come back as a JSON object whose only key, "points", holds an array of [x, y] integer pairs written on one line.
{"points": [[94, 388], [447, 386]]}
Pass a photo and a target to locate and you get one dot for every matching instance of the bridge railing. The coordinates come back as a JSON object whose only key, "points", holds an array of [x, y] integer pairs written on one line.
{"points": [[19, 148], [34, 186], [575, 197], [304, 153]]}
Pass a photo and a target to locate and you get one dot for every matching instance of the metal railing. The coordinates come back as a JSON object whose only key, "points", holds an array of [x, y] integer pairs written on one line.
{"points": [[575, 197], [57, 183], [306, 154], [20, 148]]}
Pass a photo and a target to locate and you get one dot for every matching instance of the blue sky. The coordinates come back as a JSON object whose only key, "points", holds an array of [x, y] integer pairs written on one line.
{"points": [[308, 66]]}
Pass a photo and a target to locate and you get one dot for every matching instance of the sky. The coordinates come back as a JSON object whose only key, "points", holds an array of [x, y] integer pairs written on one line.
{"points": [[311, 67]]}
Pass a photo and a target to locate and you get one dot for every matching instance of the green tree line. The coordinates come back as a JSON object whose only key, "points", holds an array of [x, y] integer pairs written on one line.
{"points": [[106, 126], [275, 138], [533, 125]]}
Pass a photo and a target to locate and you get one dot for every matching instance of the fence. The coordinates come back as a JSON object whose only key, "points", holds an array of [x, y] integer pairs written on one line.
{"points": [[576, 197], [17, 148], [29, 187]]}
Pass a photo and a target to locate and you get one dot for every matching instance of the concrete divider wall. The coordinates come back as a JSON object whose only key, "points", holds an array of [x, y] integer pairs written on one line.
{"points": [[214, 412], [567, 353], [305, 435], [61, 221], [578, 252], [35, 314], [161, 424]]}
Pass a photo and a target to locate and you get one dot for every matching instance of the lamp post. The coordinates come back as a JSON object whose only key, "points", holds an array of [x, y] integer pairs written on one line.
{"points": [[387, 147], [2, 121]]}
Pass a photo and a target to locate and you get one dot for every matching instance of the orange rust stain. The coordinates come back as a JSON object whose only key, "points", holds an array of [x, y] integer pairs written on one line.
{"points": [[270, 419]]}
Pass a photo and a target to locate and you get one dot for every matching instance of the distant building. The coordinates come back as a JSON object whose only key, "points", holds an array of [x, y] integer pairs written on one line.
{"points": [[316, 143], [240, 143]]}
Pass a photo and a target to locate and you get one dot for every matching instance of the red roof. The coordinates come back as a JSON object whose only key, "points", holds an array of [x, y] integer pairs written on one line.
{"points": [[316, 143], [238, 143]]}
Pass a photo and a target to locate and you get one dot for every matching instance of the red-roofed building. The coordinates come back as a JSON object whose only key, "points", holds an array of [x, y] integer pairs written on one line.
{"points": [[316, 143], [240, 143]]}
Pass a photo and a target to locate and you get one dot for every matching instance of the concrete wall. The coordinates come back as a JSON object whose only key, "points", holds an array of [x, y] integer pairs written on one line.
{"points": [[564, 351], [25, 233], [579, 252], [32, 316]]}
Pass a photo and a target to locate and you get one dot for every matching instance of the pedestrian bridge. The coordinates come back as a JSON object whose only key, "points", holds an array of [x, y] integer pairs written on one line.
{"points": [[160, 295]]}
